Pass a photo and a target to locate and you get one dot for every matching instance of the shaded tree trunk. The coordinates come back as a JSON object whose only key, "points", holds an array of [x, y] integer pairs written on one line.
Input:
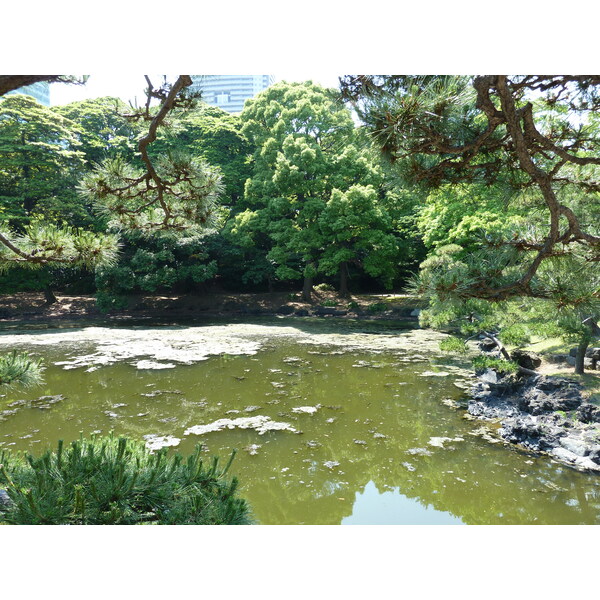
{"points": [[344, 279], [591, 323], [307, 289], [49, 296], [580, 358]]}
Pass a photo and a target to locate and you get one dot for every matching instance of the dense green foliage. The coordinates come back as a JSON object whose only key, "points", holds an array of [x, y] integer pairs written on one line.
{"points": [[102, 132], [511, 219], [214, 135], [40, 164], [315, 201], [110, 481], [18, 367], [162, 262], [289, 189], [43, 221]]}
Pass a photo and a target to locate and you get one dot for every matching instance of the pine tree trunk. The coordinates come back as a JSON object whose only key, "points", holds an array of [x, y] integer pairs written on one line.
{"points": [[307, 289], [49, 296], [580, 358], [344, 279]]}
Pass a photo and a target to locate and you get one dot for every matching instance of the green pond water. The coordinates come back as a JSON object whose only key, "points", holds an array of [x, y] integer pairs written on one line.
{"points": [[373, 428]]}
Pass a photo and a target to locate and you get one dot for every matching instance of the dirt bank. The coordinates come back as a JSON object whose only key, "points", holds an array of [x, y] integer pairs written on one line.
{"points": [[25, 307]]}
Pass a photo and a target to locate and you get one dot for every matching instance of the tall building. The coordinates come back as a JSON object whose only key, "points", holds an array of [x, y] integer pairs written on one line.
{"points": [[229, 92], [40, 91]]}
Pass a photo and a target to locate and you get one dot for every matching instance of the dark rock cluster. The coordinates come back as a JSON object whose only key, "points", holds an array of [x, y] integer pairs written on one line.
{"points": [[542, 414]]}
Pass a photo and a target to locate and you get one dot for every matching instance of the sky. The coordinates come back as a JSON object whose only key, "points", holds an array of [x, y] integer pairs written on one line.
{"points": [[130, 87]]}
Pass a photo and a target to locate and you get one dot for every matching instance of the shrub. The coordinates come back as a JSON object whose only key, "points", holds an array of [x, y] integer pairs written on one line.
{"points": [[324, 287], [453, 344], [110, 481], [107, 302], [329, 303], [377, 307], [515, 335], [502, 366]]}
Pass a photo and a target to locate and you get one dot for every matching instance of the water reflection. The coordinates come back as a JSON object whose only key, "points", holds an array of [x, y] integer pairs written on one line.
{"points": [[394, 508]]}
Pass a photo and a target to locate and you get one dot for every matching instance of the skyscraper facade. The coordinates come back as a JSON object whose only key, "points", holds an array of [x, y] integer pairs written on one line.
{"points": [[229, 92], [40, 91]]}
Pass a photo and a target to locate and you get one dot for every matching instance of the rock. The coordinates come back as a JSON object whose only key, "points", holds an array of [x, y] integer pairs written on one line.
{"points": [[416, 312], [564, 455], [285, 310], [528, 360], [323, 311], [531, 412], [487, 345], [594, 454], [588, 363], [574, 445], [584, 462], [557, 358], [588, 413], [302, 312], [489, 376], [591, 352], [536, 402]]}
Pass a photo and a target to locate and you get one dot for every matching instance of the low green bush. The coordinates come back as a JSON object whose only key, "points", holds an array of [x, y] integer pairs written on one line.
{"points": [[502, 366], [329, 303], [107, 302], [324, 287], [110, 481], [377, 307], [515, 335], [454, 344]]}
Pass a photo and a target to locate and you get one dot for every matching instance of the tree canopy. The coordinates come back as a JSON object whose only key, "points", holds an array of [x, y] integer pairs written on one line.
{"points": [[307, 157], [538, 134], [511, 168]]}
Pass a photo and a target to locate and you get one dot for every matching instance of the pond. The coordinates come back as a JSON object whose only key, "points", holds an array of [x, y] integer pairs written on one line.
{"points": [[334, 421]]}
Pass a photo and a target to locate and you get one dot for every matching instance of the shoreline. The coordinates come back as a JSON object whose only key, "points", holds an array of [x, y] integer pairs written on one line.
{"points": [[27, 308]]}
